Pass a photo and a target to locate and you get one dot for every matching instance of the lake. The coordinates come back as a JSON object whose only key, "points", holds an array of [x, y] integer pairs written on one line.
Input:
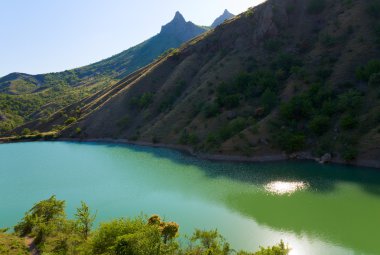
{"points": [[316, 209]]}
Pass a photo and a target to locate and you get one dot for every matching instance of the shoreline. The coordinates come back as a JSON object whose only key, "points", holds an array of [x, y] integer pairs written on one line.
{"points": [[215, 157]]}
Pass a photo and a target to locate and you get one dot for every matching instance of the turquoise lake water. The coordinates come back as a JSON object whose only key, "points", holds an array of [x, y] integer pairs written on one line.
{"points": [[316, 209]]}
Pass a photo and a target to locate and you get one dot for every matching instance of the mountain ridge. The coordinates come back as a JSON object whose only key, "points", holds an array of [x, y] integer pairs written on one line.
{"points": [[284, 77], [25, 97]]}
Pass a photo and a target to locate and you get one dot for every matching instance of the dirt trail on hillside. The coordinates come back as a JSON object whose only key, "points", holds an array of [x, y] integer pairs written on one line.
{"points": [[29, 242]]}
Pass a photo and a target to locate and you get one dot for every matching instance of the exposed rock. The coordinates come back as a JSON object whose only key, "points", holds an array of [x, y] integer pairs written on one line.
{"points": [[325, 158]]}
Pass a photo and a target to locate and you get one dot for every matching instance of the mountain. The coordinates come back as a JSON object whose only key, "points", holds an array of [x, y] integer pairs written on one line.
{"points": [[172, 35], [288, 77], [25, 97], [225, 16]]}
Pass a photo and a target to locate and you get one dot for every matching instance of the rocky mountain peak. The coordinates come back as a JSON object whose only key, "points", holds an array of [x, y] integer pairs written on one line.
{"points": [[226, 15], [177, 23]]}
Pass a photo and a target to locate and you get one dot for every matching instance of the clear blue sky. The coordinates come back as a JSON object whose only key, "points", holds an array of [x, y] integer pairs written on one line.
{"points": [[39, 36]]}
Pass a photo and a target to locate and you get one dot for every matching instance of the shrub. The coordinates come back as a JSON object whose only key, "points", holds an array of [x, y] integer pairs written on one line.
{"points": [[70, 120], [350, 101], [364, 73], [211, 110], [349, 153], [290, 142], [229, 101], [143, 101], [319, 124], [26, 131], [316, 6], [187, 138], [373, 8], [298, 108], [374, 80], [348, 121]]}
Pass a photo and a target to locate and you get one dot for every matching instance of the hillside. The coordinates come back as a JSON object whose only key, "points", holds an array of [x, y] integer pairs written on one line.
{"points": [[286, 76], [25, 97]]}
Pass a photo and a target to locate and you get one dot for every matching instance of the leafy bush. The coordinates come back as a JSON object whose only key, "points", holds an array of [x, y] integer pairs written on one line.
{"points": [[348, 121], [350, 101], [364, 73], [298, 108], [188, 138], [289, 141], [26, 131], [268, 99], [58, 235], [211, 110], [316, 6], [319, 124], [143, 101], [374, 80], [70, 120], [373, 8]]}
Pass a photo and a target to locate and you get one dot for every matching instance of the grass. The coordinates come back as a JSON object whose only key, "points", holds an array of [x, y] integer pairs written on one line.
{"points": [[12, 245]]}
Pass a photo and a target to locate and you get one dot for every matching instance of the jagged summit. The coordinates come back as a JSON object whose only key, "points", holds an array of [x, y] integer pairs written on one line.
{"points": [[226, 15], [179, 26], [178, 17], [175, 25]]}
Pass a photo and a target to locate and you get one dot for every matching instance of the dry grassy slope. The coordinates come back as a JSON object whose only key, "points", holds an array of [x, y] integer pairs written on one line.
{"points": [[192, 75]]}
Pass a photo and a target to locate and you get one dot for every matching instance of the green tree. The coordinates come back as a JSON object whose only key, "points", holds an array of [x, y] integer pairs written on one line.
{"points": [[169, 231], [209, 242], [85, 220]]}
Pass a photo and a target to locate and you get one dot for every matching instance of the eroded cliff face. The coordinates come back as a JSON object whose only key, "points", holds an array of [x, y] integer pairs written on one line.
{"points": [[224, 91]]}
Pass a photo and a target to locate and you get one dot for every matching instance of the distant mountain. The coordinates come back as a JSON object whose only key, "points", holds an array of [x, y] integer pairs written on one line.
{"points": [[25, 97], [172, 35], [288, 77], [225, 16]]}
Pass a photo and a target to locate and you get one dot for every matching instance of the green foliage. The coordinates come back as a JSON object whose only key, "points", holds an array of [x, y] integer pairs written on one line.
{"points": [[57, 235], [268, 99], [211, 110], [70, 120], [327, 40], [188, 138], [298, 108], [172, 96], [272, 45], [42, 219], [285, 62], [143, 101], [124, 122], [348, 121], [319, 124], [247, 87], [364, 73], [290, 141], [374, 80], [106, 237], [209, 242], [373, 8], [234, 127], [350, 101], [316, 6], [280, 249], [26, 131], [146, 241], [85, 220]]}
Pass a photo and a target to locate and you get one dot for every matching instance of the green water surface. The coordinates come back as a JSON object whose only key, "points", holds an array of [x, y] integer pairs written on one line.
{"points": [[336, 211]]}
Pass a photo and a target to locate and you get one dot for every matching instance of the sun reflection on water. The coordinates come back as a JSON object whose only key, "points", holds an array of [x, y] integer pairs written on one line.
{"points": [[284, 187]]}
